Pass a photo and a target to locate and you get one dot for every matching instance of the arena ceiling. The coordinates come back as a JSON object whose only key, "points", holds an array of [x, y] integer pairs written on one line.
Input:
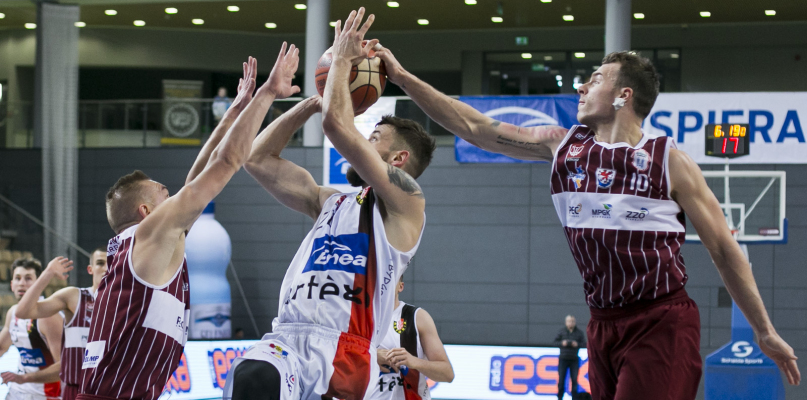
{"points": [[286, 16]]}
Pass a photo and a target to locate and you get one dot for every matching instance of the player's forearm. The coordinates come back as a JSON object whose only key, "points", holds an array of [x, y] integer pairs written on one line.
{"points": [[741, 285], [236, 144], [47, 375], [271, 142], [337, 105], [211, 144], [438, 371], [28, 307]]}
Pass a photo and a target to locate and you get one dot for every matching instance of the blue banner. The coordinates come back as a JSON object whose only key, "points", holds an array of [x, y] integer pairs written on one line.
{"points": [[523, 111]]}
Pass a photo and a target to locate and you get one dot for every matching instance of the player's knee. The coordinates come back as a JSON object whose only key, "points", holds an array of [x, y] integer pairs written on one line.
{"points": [[255, 379]]}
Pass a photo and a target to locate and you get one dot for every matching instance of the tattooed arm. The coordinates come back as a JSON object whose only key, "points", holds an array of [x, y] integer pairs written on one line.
{"points": [[532, 143]]}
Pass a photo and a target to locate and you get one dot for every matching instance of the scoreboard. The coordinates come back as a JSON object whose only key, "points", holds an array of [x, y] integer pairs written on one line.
{"points": [[727, 140]]}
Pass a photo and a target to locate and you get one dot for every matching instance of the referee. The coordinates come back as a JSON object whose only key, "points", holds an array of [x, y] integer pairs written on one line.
{"points": [[570, 340]]}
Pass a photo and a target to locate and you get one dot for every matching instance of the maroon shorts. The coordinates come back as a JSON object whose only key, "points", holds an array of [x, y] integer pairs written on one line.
{"points": [[647, 351], [70, 392]]}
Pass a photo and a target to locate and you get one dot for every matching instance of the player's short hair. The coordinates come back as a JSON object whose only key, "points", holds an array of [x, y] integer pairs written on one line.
{"points": [[412, 137], [639, 74], [101, 249], [27, 263], [123, 199]]}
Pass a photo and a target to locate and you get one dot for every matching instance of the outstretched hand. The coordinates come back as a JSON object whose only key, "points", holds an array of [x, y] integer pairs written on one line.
{"points": [[782, 354], [59, 266], [246, 86], [348, 42], [279, 82], [394, 69]]}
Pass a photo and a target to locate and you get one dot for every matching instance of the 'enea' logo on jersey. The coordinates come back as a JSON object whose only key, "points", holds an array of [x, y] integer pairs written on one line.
{"points": [[343, 253]]}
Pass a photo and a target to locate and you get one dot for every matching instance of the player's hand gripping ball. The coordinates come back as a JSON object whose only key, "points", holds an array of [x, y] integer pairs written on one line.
{"points": [[367, 80]]}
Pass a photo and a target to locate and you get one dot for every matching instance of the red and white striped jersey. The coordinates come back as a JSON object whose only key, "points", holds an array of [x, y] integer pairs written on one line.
{"points": [[34, 356], [623, 228], [74, 338], [138, 331]]}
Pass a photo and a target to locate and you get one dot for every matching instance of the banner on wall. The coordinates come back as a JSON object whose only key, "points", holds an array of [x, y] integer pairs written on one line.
{"points": [[334, 165], [524, 111], [481, 372], [181, 112], [775, 128]]}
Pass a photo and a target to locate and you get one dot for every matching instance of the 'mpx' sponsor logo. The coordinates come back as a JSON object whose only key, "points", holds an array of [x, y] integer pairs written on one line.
{"points": [[220, 362], [521, 374], [180, 381], [342, 253]]}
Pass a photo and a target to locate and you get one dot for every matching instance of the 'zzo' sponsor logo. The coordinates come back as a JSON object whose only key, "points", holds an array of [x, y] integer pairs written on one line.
{"points": [[180, 381], [520, 374], [220, 362], [603, 212], [637, 215]]}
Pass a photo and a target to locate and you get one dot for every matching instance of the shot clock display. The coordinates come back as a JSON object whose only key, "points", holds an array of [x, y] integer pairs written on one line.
{"points": [[727, 140]]}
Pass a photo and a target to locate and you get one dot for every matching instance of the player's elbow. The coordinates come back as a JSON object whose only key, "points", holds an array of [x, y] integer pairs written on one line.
{"points": [[25, 313], [449, 374]]}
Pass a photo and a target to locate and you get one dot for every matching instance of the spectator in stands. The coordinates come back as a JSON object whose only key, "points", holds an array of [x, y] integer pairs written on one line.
{"points": [[570, 340], [220, 104]]}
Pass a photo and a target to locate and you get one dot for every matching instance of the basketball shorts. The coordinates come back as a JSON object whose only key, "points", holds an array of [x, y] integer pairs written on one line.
{"points": [[70, 392], [314, 361], [649, 352]]}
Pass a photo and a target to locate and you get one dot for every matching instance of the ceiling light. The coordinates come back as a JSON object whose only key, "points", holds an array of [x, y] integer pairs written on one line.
{"points": [[332, 23], [547, 58], [300, 6], [423, 22], [111, 12], [139, 22], [526, 56], [706, 14], [546, 1], [497, 20], [568, 17], [270, 25], [171, 10], [580, 55], [2, 15], [470, 2], [393, 4], [770, 13], [674, 55], [30, 26], [80, 24], [558, 77], [638, 15], [198, 21], [233, 8]]}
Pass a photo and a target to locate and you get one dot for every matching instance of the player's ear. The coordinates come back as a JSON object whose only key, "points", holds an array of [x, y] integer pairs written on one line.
{"points": [[626, 93], [400, 157], [89, 269]]}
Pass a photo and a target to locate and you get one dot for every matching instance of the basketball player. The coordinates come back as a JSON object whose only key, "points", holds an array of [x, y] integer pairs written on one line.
{"points": [[76, 305], [336, 300], [621, 196], [411, 352], [37, 340], [139, 331]]}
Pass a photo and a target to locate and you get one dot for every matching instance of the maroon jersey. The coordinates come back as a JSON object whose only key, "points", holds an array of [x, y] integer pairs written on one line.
{"points": [[624, 229], [74, 338], [138, 331]]}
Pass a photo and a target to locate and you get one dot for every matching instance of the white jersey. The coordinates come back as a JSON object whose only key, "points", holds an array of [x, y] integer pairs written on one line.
{"points": [[344, 274], [34, 356], [404, 384]]}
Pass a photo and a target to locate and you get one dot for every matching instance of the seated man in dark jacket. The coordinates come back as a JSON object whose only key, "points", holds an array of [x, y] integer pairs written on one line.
{"points": [[570, 340]]}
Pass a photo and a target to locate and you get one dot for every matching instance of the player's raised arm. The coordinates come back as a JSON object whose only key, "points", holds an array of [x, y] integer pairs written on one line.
{"points": [[534, 143], [65, 299], [399, 191], [690, 190], [246, 86], [158, 236], [292, 185]]}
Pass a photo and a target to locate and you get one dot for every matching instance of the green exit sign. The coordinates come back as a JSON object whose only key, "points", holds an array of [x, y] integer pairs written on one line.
{"points": [[522, 41]]}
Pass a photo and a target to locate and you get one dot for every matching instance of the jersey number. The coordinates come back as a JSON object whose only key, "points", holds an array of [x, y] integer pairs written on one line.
{"points": [[639, 182]]}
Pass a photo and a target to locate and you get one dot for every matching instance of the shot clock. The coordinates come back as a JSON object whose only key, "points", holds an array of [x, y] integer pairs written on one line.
{"points": [[727, 140]]}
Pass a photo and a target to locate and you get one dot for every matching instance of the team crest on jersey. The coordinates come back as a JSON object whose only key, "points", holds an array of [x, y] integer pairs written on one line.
{"points": [[278, 351], [399, 326], [362, 195], [574, 152], [641, 160], [578, 177], [605, 177]]}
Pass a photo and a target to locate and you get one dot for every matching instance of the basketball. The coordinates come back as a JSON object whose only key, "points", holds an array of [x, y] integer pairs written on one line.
{"points": [[367, 80]]}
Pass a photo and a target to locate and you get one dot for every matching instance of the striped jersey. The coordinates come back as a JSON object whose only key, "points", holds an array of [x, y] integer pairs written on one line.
{"points": [[623, 228], [139, 330], [406, 384], [74, 338], [345, 272], [34, 356]]}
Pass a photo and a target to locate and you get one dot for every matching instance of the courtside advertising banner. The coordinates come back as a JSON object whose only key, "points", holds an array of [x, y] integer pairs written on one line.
{"points": [[775, 128], [334, 165], [481, 372]]}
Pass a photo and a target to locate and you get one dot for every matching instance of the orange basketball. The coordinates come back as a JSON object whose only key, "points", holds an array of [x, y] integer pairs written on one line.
{"points": [[367, 80]]}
